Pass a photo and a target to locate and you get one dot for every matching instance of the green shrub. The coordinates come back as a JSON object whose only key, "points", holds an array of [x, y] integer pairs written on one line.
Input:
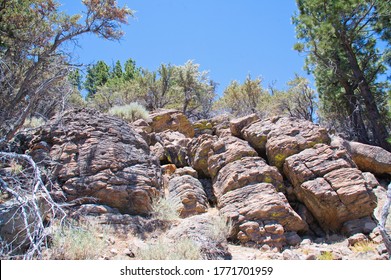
{"points": [[183, 249], [76, 243], [130, 112]]}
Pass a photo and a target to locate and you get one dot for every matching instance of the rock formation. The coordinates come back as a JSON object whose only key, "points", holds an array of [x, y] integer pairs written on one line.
{"points": [[101, 158]]}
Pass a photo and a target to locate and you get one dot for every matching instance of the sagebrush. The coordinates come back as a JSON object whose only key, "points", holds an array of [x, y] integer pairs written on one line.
{"points": [[130, 112]]}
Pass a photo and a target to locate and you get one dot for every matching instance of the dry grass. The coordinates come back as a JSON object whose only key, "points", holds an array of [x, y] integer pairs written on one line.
{"points": [[164, 209], [77, 243], [183, 249], [364, 246], [220, 228], [326, 256]]}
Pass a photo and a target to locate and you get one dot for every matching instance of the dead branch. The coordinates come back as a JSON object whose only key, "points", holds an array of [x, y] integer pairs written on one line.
{"points": [[32, 205]]}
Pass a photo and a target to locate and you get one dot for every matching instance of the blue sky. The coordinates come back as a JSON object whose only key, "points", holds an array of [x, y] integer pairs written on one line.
{"points": [[230, 38]]}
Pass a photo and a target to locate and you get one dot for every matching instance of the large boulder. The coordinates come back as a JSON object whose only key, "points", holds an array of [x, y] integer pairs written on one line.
{"points": [[102, 158], [198, 151], [254, 208], [249, 193], [368, 158], [226, 150], [188, 195], [281, 137], [246, 171], [171, 120], [327, 181]]}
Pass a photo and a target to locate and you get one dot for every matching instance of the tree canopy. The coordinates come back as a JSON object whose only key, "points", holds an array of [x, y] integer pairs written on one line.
{"points": [[341, 39], [33, 60]]}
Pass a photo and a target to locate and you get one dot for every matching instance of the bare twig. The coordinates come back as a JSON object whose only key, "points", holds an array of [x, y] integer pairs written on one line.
{"points": [[33, 204]]}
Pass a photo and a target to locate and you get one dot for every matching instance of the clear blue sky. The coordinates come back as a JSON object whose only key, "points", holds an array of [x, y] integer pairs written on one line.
{"points": [[230, 38]]}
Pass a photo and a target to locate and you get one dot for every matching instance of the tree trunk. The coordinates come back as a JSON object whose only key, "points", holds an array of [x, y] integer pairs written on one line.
{"points": [[359, 128], [379, 130]]}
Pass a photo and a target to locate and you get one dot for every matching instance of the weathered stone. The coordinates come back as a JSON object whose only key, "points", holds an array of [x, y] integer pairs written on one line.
{"points": [[171, 120], [221, 125], [142, 127], [363, 225], [158, 151], [99, 156], [188, 195], [175, 146], [236, 125], [246, 171], [198, 151], [259, 233], [292, 238], [358, 237], [326, 181], [314, 163], [203, 127], [226, 150], [95, 209], [200, 229], [368, 158], [371, 179], [280, 138], [185, 171], [260, 203]]}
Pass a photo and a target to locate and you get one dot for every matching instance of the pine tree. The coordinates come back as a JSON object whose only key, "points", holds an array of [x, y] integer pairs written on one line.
{"points": [[340, 38]]}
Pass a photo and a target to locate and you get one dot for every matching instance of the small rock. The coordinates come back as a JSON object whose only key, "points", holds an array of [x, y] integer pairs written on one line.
{"points": [[376, 236], [128, 253], [311, 257], [306, 242], [381, 249], [265, 248], [290, 255], [114, 252], [358, 237], [292, 238]]}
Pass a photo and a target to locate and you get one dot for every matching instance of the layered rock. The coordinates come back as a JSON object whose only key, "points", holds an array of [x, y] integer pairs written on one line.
{"points": [[367, 158], [236, 125], [326, 181], [249, 193], [225, 150], [102, 158], [198, 151], [171, 120], [203, 127], [254, 209], [246, 171], [279, 138], [173, 145], [188, 196]]}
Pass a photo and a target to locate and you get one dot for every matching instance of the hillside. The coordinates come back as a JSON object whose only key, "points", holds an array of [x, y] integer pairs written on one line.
{"points": [[222, 188]]}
